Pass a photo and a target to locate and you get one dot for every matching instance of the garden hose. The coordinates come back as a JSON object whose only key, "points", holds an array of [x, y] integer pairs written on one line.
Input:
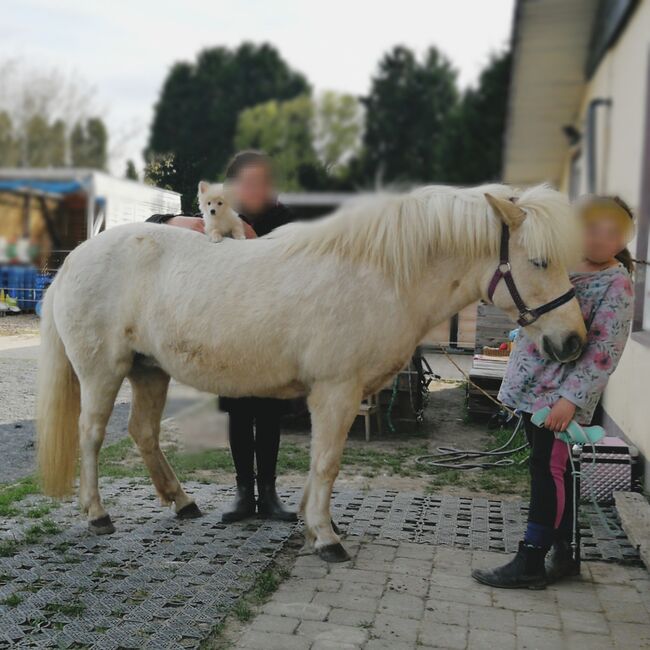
{"points": [[452, 458]]}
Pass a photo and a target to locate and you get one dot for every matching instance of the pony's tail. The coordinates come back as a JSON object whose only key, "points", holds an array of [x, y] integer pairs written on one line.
{"points": [[57, 411]]}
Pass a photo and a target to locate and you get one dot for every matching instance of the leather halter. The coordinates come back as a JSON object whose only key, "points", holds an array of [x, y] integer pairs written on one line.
{"points": [[504, 271]]}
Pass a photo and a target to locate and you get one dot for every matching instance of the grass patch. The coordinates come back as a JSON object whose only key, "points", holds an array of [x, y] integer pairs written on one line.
{"points": [[11, 494], [13, 601], [8, 548], [38, 512], [37, 532], [508, 479], [242, 611], [67, 609]]}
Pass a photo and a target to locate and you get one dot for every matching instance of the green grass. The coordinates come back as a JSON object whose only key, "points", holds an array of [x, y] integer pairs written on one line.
{"points": [[13, 600], [242, 611], [68, 609], [8, 548], [37, 532], [12, 494], [509, 479]]}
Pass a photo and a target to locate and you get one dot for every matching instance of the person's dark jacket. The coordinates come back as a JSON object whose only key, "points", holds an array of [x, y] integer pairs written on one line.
{"points": [[275, 216]]}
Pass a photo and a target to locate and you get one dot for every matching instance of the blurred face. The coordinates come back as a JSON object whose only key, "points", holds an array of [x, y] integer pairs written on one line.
{"points": [[604, 237], [253, 189]]}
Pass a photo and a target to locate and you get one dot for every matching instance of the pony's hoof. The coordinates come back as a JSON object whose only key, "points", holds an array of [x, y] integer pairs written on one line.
{"points": [[101, 526], [190, 511], [333, 553]]}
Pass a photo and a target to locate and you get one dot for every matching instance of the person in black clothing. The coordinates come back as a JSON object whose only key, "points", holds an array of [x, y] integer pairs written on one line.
{"points": [[254, 423]]}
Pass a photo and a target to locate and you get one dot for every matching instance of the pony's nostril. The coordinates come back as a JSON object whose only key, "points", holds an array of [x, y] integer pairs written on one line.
{"points": [[573, 344]]}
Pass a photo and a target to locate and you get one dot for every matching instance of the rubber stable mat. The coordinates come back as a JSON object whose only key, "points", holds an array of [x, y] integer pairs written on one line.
{"points": [[162, 583], [470, 522]]}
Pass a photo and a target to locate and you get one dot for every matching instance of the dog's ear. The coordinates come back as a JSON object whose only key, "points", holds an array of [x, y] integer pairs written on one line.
{"points": [[203, 187]]}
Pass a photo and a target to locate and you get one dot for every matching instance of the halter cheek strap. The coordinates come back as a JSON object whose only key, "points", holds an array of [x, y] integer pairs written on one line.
{"points": [[527, 316]]}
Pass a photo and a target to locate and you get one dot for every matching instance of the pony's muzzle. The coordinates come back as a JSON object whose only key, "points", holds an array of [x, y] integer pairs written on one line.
{"points": [[568, 350]]}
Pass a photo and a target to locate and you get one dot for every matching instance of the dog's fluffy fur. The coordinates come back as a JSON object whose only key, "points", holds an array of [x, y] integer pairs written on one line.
{"points": [[220, 219]]}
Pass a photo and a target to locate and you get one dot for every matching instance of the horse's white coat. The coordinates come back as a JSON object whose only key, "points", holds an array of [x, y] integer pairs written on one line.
{"points": [[330, 310]]}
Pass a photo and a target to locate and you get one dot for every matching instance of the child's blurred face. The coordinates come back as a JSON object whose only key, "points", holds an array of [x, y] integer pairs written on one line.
{"points": [[253, 188], [604, 237]]}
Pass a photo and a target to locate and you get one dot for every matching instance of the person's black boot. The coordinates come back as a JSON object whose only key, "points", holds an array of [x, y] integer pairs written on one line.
{"points": [[560, 562], [243, 505], [525, 570], [269, 505]]}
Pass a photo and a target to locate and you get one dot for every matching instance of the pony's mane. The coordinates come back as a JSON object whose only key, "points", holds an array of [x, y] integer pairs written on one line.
{"points": [[402, 233]]}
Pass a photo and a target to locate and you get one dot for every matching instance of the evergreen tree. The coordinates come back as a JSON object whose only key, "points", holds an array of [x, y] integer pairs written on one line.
{"points": [[472, 148], [406, 112], [196, 115]]}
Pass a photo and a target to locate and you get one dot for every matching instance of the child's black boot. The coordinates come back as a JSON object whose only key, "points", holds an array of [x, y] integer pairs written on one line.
{"points": [[560, 562], [525, 570]]}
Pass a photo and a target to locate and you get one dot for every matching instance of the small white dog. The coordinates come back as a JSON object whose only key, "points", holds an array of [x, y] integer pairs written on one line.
{"points": [[220, 219]]}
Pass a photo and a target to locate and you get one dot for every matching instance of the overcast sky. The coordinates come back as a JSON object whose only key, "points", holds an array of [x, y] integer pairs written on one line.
{"points": [[124, 48]]}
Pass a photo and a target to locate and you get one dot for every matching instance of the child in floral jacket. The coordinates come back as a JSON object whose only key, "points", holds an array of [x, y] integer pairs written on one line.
{"points": [[604, 290]]}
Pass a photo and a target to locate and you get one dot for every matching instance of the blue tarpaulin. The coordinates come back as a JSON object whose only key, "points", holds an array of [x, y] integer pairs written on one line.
{"points": [[55, 187]]}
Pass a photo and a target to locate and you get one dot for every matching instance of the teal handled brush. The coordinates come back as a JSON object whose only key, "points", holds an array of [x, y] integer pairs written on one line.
{"points": [[574, 433]]}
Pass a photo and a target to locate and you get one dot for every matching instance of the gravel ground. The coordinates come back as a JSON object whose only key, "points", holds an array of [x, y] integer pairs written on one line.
{"points": [[17, 406], [19, 324]]}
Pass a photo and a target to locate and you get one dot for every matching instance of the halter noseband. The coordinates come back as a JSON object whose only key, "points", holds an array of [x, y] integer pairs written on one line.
{"points": [[504, 271]]}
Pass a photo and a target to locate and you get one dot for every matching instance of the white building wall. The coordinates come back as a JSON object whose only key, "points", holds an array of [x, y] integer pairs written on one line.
{"points": [[622, 76]]}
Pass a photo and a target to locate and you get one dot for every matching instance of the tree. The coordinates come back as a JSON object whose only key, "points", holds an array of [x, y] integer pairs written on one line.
{"points": [[472, 148], [88, 142], [406, 111], [338, 126], [38, 110], [195, 118], [131, 172], [9, 152], [283, 130], [43, 144]]}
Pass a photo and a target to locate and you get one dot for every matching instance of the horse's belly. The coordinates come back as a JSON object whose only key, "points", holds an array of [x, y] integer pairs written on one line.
{"points": [[231, 377]]}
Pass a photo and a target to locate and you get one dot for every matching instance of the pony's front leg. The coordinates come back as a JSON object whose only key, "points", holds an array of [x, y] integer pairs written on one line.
{"points": [[333, 407]]}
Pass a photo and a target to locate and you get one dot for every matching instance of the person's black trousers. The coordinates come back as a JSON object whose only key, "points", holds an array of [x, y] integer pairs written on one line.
{"points": [[551, 484], [254, 434]]}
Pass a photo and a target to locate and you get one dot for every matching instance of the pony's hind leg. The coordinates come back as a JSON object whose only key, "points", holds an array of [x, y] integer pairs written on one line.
{"points": [[97, 399], [333, 408], [149, 387]]}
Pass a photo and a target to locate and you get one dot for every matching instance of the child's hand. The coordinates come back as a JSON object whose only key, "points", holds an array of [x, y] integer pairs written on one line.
{"points": [[561, 414]]}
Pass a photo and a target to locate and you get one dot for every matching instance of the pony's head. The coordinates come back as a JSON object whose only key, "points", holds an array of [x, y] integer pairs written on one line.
{"points": [[542, 241]]}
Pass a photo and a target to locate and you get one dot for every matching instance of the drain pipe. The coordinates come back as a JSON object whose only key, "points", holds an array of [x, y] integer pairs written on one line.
{"points": [[592, 149]]}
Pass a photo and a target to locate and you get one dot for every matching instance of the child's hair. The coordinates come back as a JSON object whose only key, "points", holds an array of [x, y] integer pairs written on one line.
{"points": [[625, 257], [246, 158]]}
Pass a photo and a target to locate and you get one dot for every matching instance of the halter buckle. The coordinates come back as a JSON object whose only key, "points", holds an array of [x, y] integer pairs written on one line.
{"points": [[504, 267], [527, 317]]}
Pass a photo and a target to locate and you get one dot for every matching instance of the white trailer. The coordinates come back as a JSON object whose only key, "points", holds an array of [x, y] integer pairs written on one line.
{"points": [[110, 201]]}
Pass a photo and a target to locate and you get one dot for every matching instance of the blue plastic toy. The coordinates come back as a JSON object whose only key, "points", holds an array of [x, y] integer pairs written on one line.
{"points": [[574, 433]]}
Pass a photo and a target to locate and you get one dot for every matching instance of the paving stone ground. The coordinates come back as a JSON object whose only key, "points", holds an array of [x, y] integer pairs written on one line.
{"points": [[400, 596]]}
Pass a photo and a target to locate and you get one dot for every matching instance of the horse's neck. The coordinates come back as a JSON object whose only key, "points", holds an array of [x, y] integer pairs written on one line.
{"points": [[447, 287]]}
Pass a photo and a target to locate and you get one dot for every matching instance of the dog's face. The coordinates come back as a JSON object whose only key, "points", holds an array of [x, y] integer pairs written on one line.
{"points": [[213, 199]]}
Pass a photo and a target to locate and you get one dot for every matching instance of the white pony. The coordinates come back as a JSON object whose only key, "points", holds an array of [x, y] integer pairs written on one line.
{"points": [[336, 308]]}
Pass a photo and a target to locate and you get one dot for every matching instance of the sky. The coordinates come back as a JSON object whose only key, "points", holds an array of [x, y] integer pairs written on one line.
{"points": [[125, 48]]}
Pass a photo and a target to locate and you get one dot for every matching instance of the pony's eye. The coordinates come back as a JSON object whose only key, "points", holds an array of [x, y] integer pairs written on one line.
{"points": [[540, 264]]}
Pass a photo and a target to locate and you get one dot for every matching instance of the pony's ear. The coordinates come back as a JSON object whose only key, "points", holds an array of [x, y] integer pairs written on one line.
{"points": [[511, 214], [203, 186]]}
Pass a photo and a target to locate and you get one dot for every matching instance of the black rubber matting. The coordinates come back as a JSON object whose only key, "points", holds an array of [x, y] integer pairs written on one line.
{"points": [[162, 583]]}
